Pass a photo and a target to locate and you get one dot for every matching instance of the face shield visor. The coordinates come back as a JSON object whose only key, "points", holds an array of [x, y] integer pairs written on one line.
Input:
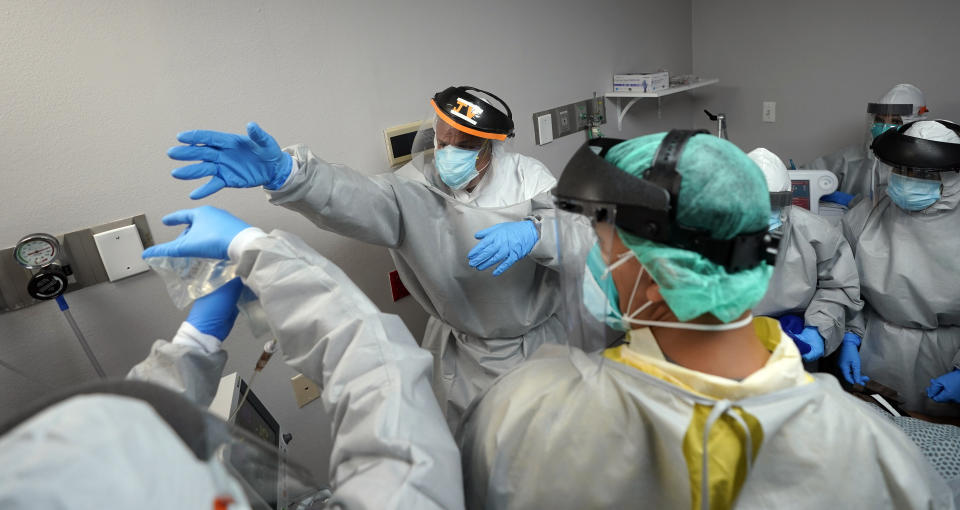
{"points": [[625, 211], [131, 432], [463, 133], [268, 478], [881, 117], [921, 154]]}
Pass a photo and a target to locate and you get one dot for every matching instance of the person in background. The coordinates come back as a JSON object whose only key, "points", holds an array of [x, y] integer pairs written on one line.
{"points": [[138, 445], [463, 205], [815, 287], [705, 406], [905, 245], [860, 174]]}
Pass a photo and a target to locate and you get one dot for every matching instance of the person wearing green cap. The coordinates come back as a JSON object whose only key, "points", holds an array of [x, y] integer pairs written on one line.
{"points": [[703, 405]]}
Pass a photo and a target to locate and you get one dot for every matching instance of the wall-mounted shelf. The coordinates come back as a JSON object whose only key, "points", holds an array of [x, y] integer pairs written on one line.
{"points": [[636, 96]]}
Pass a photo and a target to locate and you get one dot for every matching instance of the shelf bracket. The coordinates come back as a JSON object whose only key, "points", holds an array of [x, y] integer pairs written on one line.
{"points": [[621, 113]]}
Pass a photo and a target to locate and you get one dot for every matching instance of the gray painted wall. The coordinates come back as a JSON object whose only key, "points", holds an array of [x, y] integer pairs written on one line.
{"points": [[821, 61], [92, 95]]}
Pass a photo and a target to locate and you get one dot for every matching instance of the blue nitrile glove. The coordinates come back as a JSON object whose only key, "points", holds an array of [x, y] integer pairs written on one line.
{"points": [[503, 242], [849, 359], [792, 325], [838, 197], [945, 388], [215, 313], [234, 161], [810, 337], [208, 234]]}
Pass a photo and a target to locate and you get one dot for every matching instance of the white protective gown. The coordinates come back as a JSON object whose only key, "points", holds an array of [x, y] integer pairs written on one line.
{"points": [[480, 326], [391, 447], [815, 277], [628, 429], [910, 282]]}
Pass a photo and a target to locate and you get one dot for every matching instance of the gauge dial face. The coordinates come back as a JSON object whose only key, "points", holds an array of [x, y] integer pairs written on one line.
{"points": [[37, 251]]}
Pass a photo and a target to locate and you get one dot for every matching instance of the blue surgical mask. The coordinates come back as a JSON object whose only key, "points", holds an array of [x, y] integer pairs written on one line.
{"points": [[879, 127], [600, 295], [912, 194], [774, 221], [456, 166]]}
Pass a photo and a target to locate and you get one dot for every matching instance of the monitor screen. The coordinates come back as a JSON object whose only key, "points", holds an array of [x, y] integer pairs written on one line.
{"points": [[801, 193], [254, 418]]}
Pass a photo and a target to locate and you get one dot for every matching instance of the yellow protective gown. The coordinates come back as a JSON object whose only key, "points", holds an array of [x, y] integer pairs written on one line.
{"points": [[627, 429]]}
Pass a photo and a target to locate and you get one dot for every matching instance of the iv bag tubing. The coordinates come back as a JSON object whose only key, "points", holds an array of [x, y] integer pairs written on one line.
{"points": [[62, 303]]}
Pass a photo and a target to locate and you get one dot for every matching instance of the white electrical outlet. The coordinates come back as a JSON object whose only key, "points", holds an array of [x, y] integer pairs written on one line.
{"points": [[120, 250], [304, 389], [769, 111]]}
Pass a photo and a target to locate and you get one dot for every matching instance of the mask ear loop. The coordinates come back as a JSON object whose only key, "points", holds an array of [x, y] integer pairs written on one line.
{"points": [[629, 319]]}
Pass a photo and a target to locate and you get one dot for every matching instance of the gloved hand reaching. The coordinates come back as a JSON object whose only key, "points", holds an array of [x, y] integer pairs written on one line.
{"points": [[208, 234], [849, 359], [504, 242], [838, 197], [945, 388], [215, 313], [234, 161], [810, 336]]}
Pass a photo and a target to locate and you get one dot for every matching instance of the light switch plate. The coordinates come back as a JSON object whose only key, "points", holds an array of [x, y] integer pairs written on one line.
{"points": [[304, 389], [769, 111], [544, 129], [120, 250]]}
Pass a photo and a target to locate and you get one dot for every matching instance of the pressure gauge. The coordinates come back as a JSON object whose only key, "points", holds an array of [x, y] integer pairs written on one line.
{"points": [[37, 251]]}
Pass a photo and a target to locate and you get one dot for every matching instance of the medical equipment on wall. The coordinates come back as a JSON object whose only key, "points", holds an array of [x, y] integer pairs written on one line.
{"points": [[809, 186], [42, 254], [721, 120], [247, 412], [268, 349]]}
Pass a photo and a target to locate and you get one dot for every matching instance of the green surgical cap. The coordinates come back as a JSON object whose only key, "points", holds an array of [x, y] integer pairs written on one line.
{"points": [[723, 192]]}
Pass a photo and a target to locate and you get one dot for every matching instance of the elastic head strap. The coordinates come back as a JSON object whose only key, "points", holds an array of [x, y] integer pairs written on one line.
{"points": [[663, 171]]}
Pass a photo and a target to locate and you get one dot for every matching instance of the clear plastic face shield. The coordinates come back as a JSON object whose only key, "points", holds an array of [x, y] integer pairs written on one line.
{"points": [[778, 184], [268, 479], [596, 265], [464, 158], [881, 117], [456, 145], [923, 156], [130, 431]]}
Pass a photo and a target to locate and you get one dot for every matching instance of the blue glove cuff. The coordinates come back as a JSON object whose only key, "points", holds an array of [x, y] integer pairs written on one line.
{"points": [[280, 178], [852, 338]]}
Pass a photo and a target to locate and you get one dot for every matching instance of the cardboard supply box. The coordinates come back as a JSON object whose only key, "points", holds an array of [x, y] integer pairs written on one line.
{"points": [[649, 82]]}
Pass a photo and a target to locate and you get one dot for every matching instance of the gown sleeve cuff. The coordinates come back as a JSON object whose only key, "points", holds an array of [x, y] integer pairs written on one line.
{"points": [[190, 336], [241, 240]]}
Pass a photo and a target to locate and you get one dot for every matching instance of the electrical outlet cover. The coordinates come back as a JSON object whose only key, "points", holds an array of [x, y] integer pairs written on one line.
{"points": [[304, 389], [120, 250]]}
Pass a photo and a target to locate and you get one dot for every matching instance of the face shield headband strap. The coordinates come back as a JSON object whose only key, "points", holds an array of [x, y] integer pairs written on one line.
{"points": [[647, 208], [889, 109], [780, 199], [897, 149], [491, 94]]}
